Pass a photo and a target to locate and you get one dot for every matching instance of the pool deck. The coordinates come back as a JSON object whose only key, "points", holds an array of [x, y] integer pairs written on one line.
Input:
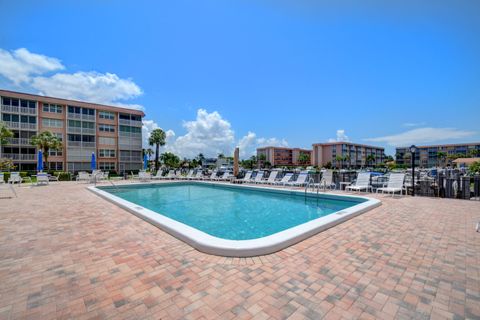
{"points": [[66, 253]]}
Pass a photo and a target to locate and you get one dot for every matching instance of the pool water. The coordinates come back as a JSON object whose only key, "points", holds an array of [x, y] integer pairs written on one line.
{"points": [[230, 212]]}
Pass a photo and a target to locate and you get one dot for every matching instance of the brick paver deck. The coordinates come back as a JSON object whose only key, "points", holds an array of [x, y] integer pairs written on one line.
{"points": [[66, 253]]}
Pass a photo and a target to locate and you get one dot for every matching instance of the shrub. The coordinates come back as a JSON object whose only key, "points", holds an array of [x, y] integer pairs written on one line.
{"points": [[474, 168]]}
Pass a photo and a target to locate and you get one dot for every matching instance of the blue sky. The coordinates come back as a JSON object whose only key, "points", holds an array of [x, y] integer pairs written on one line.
{"points": [[216, 74]]}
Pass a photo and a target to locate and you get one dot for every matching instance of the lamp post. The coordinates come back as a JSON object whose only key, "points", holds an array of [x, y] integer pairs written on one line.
{"points": [[413, 150]]}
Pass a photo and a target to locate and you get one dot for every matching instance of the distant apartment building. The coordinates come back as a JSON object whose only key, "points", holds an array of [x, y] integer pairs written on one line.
{"points": [[427, 156], [353, 155], [282, 156], [114, 134]]}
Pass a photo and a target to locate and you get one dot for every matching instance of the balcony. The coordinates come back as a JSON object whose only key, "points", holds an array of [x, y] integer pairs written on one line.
{"points": [[81, 144], [130, 158], [80, 116], [132, 123], [130, 134], [19, 141], [21, 125], [21, 157], [81, 130], [22, 110]]}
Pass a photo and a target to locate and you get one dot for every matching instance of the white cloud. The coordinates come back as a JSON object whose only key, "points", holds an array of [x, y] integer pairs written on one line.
{"points": [[28, 71], [88, 86], [249, 143], [414, 124], [209, 134], [341, 137], [20, 65], [423, 135]]}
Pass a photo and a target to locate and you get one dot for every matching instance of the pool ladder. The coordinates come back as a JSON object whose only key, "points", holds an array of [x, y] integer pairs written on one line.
{"points": [[311, 182]]}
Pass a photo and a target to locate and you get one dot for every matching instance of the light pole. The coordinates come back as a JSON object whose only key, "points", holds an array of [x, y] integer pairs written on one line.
{"points": [[413, 150]]}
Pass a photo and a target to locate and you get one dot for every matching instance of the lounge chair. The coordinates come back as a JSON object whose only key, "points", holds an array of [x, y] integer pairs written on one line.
{"points": [[394, 185], [301, 180], [259, 177], [144, 176], [84, 176], [158, 175], [225, 176], [42, 178], [2, 178], [272, 177], [362, 183], [188, 176], [212, 176], [15, 178], [197, 176], [327, 180], [246, 178], [286, 178]]}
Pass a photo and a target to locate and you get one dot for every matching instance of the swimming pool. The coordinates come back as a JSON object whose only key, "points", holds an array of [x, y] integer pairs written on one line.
{"points": [[234, 220]]}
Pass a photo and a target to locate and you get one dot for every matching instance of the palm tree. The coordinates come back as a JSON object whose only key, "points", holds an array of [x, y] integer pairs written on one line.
{"points": [[473, 153], [303, 158], [157, 139], [46, 141], [338, 160], [5, 133], [149, 152], [200, 158], [371, 158], [346, 159], [170, 160]]}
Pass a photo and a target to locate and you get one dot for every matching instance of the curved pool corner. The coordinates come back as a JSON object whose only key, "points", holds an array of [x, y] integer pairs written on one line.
{"points": [[243, 248]]}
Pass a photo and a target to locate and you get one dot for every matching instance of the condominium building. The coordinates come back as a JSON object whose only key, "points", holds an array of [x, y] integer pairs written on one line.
{"points": [[281, 156], [427, 156], [347, 154], [113, 134]]}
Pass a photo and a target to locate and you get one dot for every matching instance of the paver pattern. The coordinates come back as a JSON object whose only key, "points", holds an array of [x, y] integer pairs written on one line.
{"points": [[65, 253]]}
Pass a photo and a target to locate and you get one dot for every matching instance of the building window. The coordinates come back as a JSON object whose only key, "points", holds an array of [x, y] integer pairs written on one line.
{"points": [[106, 153], [52, 123], [52, 108], [56, 166], [55, 153], [106, 128], [130, 129], [106, 115], [106, 140], [106, 166]]}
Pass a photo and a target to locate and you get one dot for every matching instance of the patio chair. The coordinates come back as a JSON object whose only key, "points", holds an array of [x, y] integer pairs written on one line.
{"points": [[246, 178], [286, 178], [327, 180], [15, 178], [83, 176], [394, 185], [188, 176], [144, 176], [158, 175], [212, 176], [225, 176], [198, 175], [42, 178], [301, 180], [259, 177], [272, 177], [362, 183]]}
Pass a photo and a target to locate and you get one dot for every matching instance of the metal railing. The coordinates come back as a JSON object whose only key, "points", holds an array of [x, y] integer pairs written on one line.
{"points": [[81, 144], [130, 122], [16, 109], [18, 156], [80, 116], [19, 141]]}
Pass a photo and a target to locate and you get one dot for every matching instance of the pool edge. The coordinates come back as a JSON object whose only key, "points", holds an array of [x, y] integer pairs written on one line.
{"points": [[241, 248]]}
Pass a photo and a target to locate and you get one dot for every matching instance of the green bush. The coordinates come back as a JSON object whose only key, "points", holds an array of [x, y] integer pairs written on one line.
{"points": [[63, 176], [6, 176]]}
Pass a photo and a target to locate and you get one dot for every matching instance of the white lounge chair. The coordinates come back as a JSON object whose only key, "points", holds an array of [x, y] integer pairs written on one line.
{"points": [[84, 176], [225, 176], [301, 180], [212, 176], [158, 175], [272, 178], [15, 178], [144, 176], [259, 177], [198, 175], [246, 178], [362, 183], [188, 176], [327, 180], [42, 178], [286, 178], [394, 185]]}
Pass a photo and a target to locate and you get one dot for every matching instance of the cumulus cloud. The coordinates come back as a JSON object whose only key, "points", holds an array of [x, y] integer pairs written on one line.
{"points": [[32, 72], [341, 137], [414, 124], [20, 65], [147, 128], [249, 143], [422, 135], [88, 86]]}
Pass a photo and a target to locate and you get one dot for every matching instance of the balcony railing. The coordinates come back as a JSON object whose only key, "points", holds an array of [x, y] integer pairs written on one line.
{"points": [[130, 158], [21, 125], [16, 109], [81, 144], [81, 130], [130, 134], [19, 141], [80, 116], [17, 156], [130, 123]]}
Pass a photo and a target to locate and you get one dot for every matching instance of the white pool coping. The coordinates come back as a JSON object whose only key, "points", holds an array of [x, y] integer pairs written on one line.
{"points": [[242, 248]]}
